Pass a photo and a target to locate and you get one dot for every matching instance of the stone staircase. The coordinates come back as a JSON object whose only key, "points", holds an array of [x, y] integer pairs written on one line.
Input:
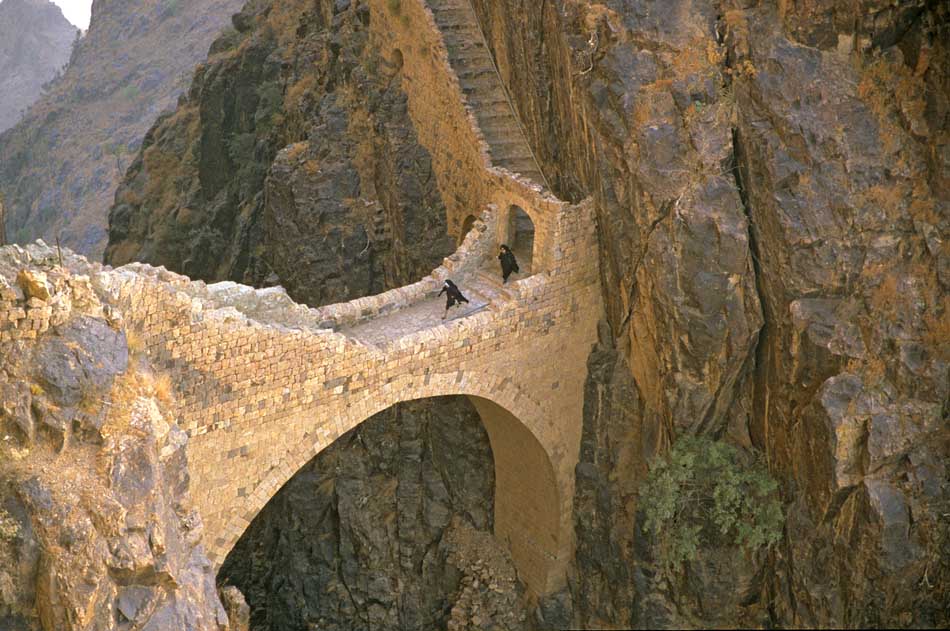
{"points": [[472, 63]]}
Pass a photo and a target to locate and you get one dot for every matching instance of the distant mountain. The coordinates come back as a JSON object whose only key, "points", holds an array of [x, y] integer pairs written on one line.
{"points": [[59, 166], [35, 40]]}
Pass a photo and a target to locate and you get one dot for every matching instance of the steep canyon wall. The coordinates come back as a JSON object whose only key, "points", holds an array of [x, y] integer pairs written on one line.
{"points": [[771, 183]]}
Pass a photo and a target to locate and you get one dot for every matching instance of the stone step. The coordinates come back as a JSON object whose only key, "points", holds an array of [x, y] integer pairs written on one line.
{"points": [[510, 145], [459, 46], [511, 159], [499, 129], [482, 87], [485, 80], [519, 163], [448, 17], [490, 101], [472, 72], [461, 58], [484, 93], [489, 118]]}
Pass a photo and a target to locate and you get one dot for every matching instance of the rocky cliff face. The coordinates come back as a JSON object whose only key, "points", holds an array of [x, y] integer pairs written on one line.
{"points": [[291, 160], [35, 42], [60, 165], [772, 193], [96, 527]]}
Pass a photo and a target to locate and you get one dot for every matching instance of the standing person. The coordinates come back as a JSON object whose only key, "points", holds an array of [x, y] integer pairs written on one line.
{"points": [[509, 263], [453, 296]]}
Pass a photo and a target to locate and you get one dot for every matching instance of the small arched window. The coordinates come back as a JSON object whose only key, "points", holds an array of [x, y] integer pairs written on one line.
{"points": [[521, 237]]}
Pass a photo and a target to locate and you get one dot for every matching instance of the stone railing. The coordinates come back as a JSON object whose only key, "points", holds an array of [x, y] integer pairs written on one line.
{"points": [[478, 246]]}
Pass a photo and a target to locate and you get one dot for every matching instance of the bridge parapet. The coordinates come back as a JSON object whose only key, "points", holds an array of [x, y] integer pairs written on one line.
{"points": [[472, 254]]}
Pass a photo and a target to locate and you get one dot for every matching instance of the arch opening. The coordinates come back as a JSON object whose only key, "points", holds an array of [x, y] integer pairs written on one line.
{"points": [[521, 516], [467, 226], [520, 232]]}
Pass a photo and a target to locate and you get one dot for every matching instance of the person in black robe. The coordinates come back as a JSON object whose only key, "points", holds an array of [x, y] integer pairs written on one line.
{"points": [[509, 263], [453, 296]]}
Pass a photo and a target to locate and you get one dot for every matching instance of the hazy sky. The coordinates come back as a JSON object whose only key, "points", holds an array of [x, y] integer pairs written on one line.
{"points": [[76, 11]]}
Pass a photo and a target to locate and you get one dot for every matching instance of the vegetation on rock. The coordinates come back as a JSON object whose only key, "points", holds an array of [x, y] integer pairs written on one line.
{"points": [[704, 490]]}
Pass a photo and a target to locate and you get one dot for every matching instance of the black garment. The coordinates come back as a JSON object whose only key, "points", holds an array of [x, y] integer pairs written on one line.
{"points": [[452, 293], [509, 264]]}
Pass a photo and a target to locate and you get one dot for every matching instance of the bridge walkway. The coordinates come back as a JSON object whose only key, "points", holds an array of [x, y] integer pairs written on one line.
{"points": [[483, 289]]}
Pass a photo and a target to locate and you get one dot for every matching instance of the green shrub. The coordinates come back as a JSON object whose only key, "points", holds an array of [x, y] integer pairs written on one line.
{"points": [[703, 493], [395, 6]]}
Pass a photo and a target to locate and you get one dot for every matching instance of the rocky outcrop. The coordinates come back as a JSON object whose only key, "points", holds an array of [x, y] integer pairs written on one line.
{"points": [[96, 526], [292, 159], [771, 197], [35, 43], [387, 528], [59, 166], [847, 198]]}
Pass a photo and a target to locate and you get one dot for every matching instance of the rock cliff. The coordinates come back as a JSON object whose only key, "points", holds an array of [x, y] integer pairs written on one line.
{"points": [[291, 160], [60, 164], [96, 527], [772, 186], [35, 43]]}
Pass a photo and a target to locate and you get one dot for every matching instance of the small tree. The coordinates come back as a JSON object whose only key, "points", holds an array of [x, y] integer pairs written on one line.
{"points": [[703, 493]]}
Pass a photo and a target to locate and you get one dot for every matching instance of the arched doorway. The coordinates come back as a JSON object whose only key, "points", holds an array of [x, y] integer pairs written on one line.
{"points": [[466, 228], [521, 238], [371, 509]]}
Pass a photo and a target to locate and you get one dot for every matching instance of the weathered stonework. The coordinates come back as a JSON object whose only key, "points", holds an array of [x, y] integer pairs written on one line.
{"points": [[263, 384]]}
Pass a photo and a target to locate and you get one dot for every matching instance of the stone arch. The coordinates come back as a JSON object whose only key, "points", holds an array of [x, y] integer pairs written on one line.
{"points": [[519, 231], [528, 511]]}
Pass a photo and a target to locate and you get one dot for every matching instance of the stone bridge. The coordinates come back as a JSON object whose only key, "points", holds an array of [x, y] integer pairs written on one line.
{"points": [[263, 384]]}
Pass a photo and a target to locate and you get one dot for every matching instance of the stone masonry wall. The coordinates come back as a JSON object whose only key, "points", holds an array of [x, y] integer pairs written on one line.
{"points": [[262, 387]]}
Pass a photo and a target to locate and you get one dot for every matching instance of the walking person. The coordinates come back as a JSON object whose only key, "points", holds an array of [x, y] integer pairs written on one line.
{"points": [[509, 263], [453, 296]]}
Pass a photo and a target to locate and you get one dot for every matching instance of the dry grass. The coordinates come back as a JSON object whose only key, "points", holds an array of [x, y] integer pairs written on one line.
{"points": [[892, 91], [162, 388], [297, 93], [135, 341], [130, 388], [295, 150]]}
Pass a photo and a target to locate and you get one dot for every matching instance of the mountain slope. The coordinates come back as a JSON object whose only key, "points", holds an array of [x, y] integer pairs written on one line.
{"points": [[59, 166], [35, 40]]}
